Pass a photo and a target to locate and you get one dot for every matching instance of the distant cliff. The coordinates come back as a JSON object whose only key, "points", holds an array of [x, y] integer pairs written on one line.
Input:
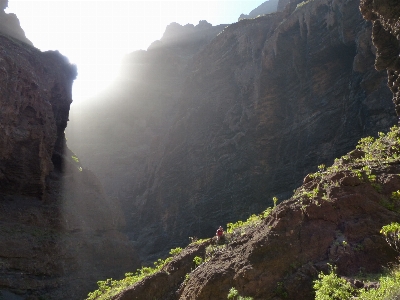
{"points": [[265, 8], [9, 24], [58, 230], [211, 137]]}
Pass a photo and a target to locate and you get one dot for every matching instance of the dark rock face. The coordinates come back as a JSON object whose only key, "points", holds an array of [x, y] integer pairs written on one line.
{"points": [[267, 7], [35, 101], [385, 16], [58, 231], [258, 108]]}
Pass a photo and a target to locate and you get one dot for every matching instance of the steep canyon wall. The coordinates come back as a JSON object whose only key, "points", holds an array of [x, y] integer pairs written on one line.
{"points": [[256, 109], [58, 230]]}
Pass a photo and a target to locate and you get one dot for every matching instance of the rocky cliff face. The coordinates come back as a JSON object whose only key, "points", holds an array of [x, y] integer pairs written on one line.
{"points": [[262, 105], [58, 230], [31, 129], [386, 36]]}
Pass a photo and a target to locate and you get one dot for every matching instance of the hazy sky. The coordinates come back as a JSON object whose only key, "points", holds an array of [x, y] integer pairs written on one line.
{"points": [[96, 34]]}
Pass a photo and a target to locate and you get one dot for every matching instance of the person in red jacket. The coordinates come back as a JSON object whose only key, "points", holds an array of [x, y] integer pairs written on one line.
{"points": [[219, 233]]}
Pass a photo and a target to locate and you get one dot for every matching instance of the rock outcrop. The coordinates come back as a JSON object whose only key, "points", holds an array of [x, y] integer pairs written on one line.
{"points": [[259, 107], [58, 231]]}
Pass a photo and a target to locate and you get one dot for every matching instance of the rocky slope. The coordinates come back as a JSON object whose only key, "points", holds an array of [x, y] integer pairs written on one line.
{"points": [[58, 231], [258, 108], [333, 218]]}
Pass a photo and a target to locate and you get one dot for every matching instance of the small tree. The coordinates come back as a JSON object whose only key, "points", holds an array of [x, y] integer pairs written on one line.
{"points": [[275, 199], [392, 235]]}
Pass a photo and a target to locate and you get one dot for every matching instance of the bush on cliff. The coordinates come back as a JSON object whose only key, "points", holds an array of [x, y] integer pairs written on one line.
{"points": [[110, 287], [331, 286]]}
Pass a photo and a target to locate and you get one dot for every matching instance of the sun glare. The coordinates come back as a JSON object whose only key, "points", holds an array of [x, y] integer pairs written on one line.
{"points": [[95, 35]]}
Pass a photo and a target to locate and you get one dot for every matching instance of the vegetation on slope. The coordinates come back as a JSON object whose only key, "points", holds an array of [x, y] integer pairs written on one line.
{"points": [[109, 287], [363, 165], [332, 287], [371, 154]]}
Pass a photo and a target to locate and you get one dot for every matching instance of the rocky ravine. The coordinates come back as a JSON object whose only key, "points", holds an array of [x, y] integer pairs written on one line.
{"points": [[335, 217], [259, 107], [58, 231]]}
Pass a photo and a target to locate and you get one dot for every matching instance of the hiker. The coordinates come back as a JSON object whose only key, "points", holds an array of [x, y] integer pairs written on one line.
{"points": [[219, 233]]}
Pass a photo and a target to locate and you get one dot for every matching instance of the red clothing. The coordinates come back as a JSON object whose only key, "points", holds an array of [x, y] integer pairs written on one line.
{"points": [[220, 232]]}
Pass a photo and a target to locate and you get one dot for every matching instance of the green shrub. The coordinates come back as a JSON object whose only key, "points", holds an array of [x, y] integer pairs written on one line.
{"points": [[197, 261], [110, 287], [395, 196], [175, 251], [389, 288], [392, 235], [332, 287], [275, 200], [234, 295], [251, 221]]}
